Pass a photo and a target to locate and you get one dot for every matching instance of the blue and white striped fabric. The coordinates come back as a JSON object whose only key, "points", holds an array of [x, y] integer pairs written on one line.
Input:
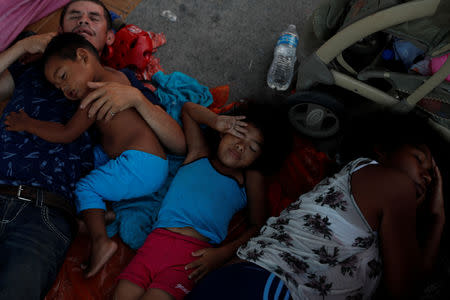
{"points": [[241, 281]]}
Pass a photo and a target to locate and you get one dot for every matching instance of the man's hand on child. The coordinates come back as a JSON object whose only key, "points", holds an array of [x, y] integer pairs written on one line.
{"points": [[232, 125], [109, 98], [210, 259], [17, 121]]}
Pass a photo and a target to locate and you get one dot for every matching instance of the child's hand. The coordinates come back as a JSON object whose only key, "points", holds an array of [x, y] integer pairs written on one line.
{"points": [[210, 259], [17, 121], [232, 125]]}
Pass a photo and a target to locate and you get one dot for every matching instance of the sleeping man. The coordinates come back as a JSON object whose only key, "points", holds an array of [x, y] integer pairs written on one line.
{"points": [[37, 178]]}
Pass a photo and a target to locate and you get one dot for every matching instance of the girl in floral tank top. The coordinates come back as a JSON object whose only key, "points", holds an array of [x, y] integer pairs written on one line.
{"points": [[321, 244]]}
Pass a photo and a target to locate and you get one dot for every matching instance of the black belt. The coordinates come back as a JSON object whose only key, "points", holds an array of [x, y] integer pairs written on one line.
{"points": [[31, 194]]}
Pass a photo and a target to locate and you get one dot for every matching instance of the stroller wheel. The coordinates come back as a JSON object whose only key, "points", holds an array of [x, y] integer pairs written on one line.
{"points": [[315, 114]]}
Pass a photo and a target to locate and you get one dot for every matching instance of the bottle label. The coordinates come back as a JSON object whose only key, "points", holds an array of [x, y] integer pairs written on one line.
{"points": [[288, 39]]}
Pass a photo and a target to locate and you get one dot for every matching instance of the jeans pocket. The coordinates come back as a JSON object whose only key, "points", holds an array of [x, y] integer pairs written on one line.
{"points": [[57, 223], [11, 209]]}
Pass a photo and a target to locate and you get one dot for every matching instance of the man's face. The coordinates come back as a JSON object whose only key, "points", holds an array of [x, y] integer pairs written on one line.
{"points": [[87, 19]]}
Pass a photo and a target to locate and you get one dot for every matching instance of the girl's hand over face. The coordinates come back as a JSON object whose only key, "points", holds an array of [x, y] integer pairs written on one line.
{"points": [[209, 259], [232, 125]]}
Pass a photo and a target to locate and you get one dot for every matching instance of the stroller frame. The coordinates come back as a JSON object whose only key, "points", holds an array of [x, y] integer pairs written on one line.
{"points": [[315, 67]]}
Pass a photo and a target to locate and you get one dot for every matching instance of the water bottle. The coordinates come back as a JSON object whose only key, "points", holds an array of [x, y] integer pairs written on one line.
{"points": [[282, 68]]}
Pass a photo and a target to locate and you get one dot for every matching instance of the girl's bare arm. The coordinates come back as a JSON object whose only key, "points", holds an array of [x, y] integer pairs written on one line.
{"points": [[405, 262], [401, 255], [192, 116], [436, 222]]}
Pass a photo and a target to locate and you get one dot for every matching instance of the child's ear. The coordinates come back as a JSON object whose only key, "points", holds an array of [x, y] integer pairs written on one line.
{"points": [[82, 55]]}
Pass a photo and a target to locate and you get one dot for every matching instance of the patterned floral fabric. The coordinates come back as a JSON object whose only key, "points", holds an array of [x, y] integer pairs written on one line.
{"points": [[321, 245], [29, 160]]}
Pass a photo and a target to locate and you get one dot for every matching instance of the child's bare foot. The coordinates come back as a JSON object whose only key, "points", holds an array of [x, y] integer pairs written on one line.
{"points": [[110, 216], [102, 250]]}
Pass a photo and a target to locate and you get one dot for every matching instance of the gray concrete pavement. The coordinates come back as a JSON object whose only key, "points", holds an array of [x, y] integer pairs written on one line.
{"points": [[222, 42]]}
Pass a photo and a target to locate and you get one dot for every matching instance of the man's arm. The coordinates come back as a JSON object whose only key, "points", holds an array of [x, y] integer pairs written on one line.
{"points": [[50, 131], [6, 88], [165, 127], [32, 45], [8, 57], [109, 98]]}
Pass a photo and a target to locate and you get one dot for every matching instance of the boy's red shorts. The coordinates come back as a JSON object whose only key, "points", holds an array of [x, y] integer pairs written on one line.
{"points": [[160, 262]]}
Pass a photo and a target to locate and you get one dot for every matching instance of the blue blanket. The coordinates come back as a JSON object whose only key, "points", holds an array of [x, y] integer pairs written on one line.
{"points": [[177, 88], [135, 217]]}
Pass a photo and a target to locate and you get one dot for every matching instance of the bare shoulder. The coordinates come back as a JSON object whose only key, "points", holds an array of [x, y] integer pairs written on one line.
{"points": [[116, 76], [195, 155]]}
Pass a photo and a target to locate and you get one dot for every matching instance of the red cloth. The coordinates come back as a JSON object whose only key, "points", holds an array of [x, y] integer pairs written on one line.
{"points": [[133, 48], [70, 283], [301, 171]]}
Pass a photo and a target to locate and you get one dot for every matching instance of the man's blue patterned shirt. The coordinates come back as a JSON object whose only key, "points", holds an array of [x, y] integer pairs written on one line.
{"points": [[29, 160]]}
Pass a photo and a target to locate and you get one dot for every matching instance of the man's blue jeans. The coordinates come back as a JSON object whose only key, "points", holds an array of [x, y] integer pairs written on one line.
{"points": [[33, 244]]}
